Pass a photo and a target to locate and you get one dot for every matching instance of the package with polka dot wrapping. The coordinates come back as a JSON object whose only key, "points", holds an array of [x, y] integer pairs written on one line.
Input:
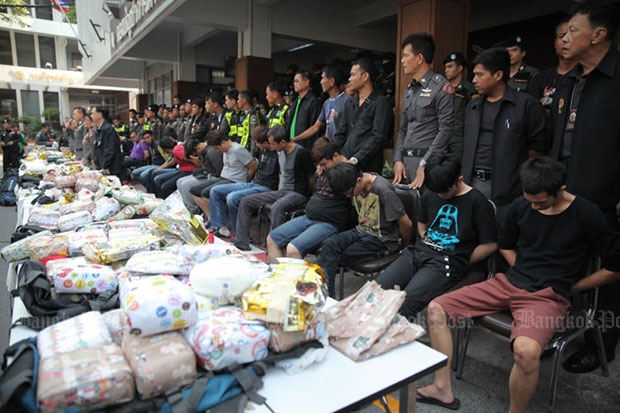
{"points": [[157, 304], [225, 336], [84, 279]]}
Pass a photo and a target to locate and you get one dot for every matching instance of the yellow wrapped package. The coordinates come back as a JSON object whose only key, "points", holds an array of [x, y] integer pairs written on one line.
{"points": [[291, 296], [121, 249], [174, 217]]}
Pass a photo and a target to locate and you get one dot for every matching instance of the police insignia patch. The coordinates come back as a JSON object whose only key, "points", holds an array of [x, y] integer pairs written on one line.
{"points": [[448, 88]]}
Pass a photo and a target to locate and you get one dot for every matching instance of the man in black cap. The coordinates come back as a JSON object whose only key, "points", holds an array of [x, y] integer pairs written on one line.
{"points": [[152, 121], [9, 141], [134, 125], [520, 73], [464, 91]]}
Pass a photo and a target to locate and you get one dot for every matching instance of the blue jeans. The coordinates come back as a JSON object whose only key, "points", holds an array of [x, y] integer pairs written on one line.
{"points": [[304, 233], [141, 170], [228, 196]]}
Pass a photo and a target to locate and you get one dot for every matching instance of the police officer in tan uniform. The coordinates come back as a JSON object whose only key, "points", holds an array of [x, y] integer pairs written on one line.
{"points": [[427, 117]]}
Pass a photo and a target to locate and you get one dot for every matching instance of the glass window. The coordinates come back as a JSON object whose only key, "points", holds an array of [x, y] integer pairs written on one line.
{"points": [[44, 12], [74, 58], [5, 48], [25, 50], [50, 100], [8, 102], [47, 52], [30, 103]]}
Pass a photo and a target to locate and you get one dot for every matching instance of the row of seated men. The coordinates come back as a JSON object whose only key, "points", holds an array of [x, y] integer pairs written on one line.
{"points": [[510, 126]]}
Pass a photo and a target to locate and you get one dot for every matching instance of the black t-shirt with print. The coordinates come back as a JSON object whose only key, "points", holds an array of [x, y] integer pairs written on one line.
{"points": [[456, 226]]}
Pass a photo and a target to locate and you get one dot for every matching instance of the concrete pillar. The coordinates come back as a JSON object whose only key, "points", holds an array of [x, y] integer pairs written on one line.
{"points": [[254, 69], [255, 40]]}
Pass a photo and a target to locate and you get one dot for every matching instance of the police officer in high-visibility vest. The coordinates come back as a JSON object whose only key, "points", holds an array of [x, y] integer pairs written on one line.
{"points": [[122, 131], [278, 113], [232, 115], [248, 120]]}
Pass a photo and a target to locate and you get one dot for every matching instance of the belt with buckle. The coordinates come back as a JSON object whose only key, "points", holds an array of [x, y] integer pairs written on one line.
{"points": [[483, 174], [418, 153]]}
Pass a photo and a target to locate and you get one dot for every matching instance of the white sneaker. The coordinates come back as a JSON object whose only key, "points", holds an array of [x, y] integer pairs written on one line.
{"points": [[223, 232]]}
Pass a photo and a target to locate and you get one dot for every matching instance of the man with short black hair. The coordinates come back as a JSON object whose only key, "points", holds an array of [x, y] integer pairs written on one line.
{"points": [[278, 112], [502, 129], [366, 119], [296, 169], [326, 213], [333, 81], [108, 156], [456, 224], [547, 238], [383, 225], [44, 136], [427, 117], [75, 144], [586, 137], [304, 110]]}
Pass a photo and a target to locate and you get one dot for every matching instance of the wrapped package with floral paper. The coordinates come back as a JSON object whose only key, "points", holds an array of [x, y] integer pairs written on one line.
{"points": [[86, 330], [157, 304], [105, 208], [84, 380], [159, 363], [77, 239], [158, 262], [42, 247], [117, 323], [291, 296], [77, 206], [21, 249], [225, 336], [71, 221], [44, 217], [140, 224], [283, 341]]}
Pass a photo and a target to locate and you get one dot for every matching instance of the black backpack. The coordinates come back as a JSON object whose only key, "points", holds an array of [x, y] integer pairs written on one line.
{"points": [[46, 308], [7, 188]]}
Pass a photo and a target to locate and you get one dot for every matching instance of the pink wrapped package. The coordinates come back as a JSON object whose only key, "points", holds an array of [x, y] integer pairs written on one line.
{"points": [[84, 380]]}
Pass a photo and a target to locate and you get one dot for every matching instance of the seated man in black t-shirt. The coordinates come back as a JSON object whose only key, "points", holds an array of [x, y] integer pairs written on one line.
{"points": [[326, 213], [383, 225], [546, 238], [457, 228]]}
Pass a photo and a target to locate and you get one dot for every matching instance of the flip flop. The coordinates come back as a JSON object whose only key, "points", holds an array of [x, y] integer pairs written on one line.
{"points": [[420, 398]]}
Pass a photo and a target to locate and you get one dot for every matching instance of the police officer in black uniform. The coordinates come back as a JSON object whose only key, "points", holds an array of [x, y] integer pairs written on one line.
{"points": [[464, 91], [520, 73], [9, 141]]}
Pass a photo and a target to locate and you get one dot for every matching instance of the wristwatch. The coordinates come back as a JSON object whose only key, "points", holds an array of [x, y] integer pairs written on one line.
{"points": [[423, 163], [353, 160]]}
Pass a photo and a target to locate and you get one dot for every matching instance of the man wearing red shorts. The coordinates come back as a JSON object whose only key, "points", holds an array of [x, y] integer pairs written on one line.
{"points": [[546, 238]]}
